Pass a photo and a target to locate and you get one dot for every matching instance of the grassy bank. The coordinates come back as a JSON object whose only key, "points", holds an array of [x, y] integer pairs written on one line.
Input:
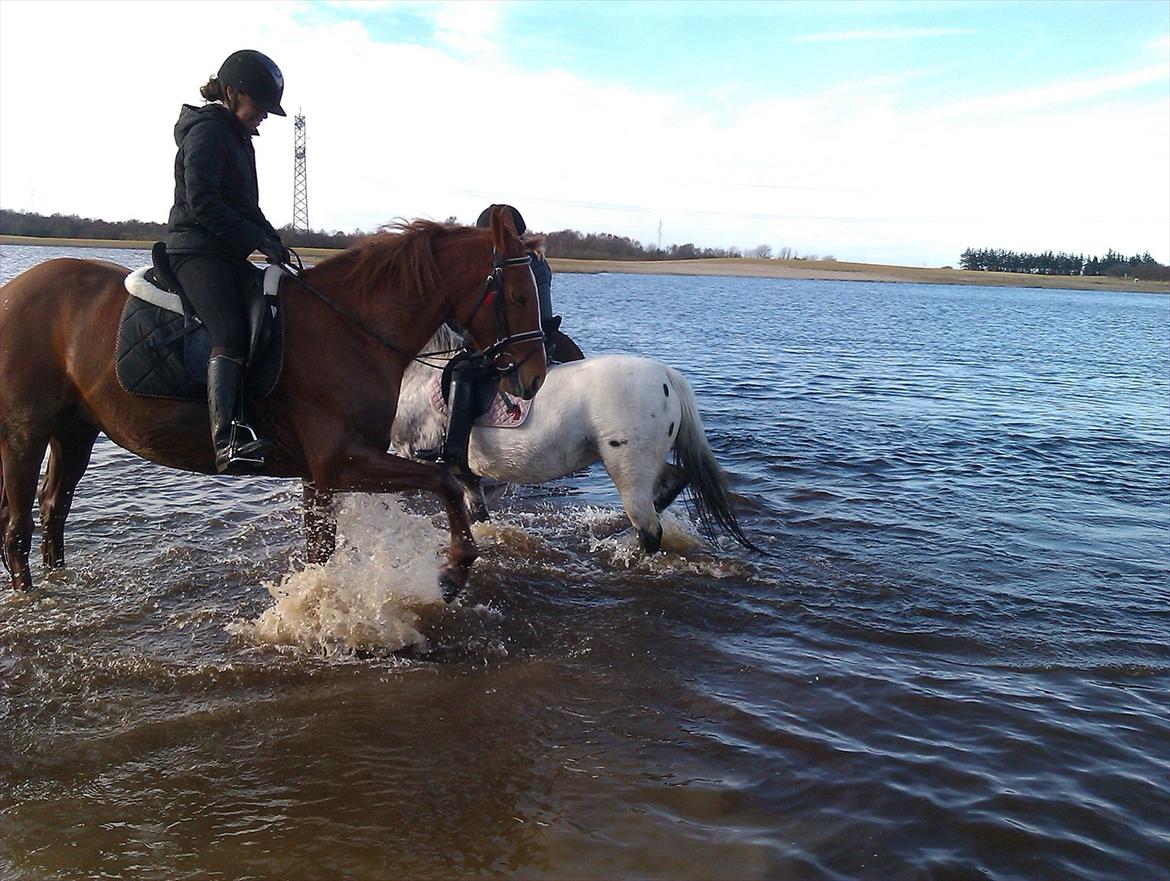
{"points": [[747, 267]]}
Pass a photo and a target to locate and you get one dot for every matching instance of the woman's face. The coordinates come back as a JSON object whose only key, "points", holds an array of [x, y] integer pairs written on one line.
{"points": [[249, 115]]}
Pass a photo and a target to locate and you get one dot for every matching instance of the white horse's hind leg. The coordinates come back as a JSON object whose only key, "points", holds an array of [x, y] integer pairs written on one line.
{"points": [[671, 481], [634, 474]]}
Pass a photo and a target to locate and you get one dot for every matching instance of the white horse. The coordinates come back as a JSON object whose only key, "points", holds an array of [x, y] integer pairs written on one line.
{"points": [[627, 411]]}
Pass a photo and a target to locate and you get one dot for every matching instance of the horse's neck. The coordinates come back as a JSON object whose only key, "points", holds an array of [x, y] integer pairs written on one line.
{"points": [[403, 321]]}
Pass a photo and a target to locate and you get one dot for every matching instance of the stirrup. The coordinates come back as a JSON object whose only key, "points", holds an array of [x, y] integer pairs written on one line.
{"points": [[248, 455], [256, 446]]}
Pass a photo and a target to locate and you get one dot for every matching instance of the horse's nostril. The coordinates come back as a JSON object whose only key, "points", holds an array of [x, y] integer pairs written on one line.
{"points": [[536, 384]]}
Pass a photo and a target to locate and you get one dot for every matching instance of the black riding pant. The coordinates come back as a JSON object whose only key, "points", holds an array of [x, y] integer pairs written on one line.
{"points": [[215, 288]]}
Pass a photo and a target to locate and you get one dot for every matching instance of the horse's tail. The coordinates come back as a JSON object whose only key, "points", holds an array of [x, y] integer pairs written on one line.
{"points": [[693, 455]]}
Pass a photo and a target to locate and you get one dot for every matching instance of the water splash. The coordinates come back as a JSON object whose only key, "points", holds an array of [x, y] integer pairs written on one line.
{"points": [[368, 596], [683, 549]]}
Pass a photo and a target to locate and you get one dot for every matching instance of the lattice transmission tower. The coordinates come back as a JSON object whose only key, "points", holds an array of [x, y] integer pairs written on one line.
{"points": [[300, 177]]}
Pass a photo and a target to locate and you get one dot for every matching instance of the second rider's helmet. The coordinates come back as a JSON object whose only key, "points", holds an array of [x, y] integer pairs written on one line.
{"points": [[257, 76], [486, 221]]}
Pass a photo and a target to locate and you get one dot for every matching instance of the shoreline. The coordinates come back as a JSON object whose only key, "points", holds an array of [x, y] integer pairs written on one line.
{"points": [[742, 267]]}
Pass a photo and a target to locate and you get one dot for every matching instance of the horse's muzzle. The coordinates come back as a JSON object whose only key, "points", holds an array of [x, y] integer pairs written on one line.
{"points": [[526, 381], [518, 387]]}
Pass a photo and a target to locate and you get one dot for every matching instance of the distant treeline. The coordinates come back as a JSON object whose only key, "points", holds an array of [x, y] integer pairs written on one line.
{"points": [[570, 243], [567, 243], [70, 226], [1113, 264], [603, 246]]}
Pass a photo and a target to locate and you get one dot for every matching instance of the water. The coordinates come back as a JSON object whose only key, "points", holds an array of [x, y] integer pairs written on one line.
{"points": [[954, 663]]}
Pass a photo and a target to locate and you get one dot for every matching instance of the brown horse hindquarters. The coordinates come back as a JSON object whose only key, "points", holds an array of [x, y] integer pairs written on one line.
{"points": [[43, 313], [60, 366]]}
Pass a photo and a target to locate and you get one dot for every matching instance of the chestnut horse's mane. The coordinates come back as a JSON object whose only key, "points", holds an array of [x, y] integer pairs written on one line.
{"points": [[400, 257]]}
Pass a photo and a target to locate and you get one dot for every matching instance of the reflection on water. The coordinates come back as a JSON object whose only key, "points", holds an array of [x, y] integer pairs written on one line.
{"points": [[952, 662]]}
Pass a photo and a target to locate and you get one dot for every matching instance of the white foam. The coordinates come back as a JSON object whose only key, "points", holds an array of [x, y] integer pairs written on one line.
{"points": [[368, 595], [683, 548]]}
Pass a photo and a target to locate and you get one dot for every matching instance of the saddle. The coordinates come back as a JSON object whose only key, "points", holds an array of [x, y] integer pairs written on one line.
{"points": [[163, 348], [494, 408]]}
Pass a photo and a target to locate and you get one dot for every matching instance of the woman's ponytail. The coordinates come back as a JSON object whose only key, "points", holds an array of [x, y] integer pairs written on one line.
{"points": [[212, 90]]}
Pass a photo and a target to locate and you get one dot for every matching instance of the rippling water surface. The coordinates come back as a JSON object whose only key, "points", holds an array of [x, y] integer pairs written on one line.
{"points": [[954, 661]]}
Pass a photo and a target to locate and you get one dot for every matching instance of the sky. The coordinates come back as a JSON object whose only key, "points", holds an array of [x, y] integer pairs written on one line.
{"points": [[883, 132]]}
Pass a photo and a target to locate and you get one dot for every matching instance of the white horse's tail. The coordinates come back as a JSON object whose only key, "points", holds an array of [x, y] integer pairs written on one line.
{"points": [[693, 456]]}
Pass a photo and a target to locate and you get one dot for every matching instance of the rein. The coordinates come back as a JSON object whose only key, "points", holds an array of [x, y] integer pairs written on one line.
{"points": [[492, 292]]}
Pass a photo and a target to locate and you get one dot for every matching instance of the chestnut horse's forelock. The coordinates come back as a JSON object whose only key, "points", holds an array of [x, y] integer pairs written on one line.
{"points": [[401, 257]]}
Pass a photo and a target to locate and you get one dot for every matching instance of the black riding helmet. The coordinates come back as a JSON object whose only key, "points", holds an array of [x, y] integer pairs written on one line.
{"points": [[485, 218], [257, 76]]}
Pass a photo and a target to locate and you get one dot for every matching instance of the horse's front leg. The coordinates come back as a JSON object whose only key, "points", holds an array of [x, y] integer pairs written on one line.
{"points": [[320, 523], [373, 471]]}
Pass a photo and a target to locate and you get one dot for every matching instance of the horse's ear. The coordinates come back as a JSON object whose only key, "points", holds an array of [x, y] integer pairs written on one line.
{"points": [[502, 227], [533, 242]]}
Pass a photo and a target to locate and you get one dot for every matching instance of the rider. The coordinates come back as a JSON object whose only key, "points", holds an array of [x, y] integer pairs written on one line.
{"points": [[557, 345], [215, 224], [469, 393]]}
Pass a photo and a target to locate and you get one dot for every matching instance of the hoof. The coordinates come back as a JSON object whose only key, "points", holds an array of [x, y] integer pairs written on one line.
{"points": [[651, 541]]}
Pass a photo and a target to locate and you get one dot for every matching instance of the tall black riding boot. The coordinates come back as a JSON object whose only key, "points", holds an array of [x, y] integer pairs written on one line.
{"points": [[237, 446], [460, 417]]}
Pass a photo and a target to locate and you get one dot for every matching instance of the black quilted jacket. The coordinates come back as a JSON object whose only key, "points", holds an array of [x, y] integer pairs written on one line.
{"points": [[217, 199]]}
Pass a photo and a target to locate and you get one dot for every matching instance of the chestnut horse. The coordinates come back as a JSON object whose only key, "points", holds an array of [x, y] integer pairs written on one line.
{"points": [[351, 325]]}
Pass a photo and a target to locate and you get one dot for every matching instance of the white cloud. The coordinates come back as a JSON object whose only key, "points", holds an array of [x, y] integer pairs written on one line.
{"points": [[408, 130], [469, 28], [1070, 91]]}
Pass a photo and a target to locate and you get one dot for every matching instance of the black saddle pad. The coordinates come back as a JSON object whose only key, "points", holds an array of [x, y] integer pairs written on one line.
{"points": [[162, 355]]}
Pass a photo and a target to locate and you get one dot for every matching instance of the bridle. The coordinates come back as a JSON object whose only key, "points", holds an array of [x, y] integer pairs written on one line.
{"points": [[490, 360], [496, 357]]}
